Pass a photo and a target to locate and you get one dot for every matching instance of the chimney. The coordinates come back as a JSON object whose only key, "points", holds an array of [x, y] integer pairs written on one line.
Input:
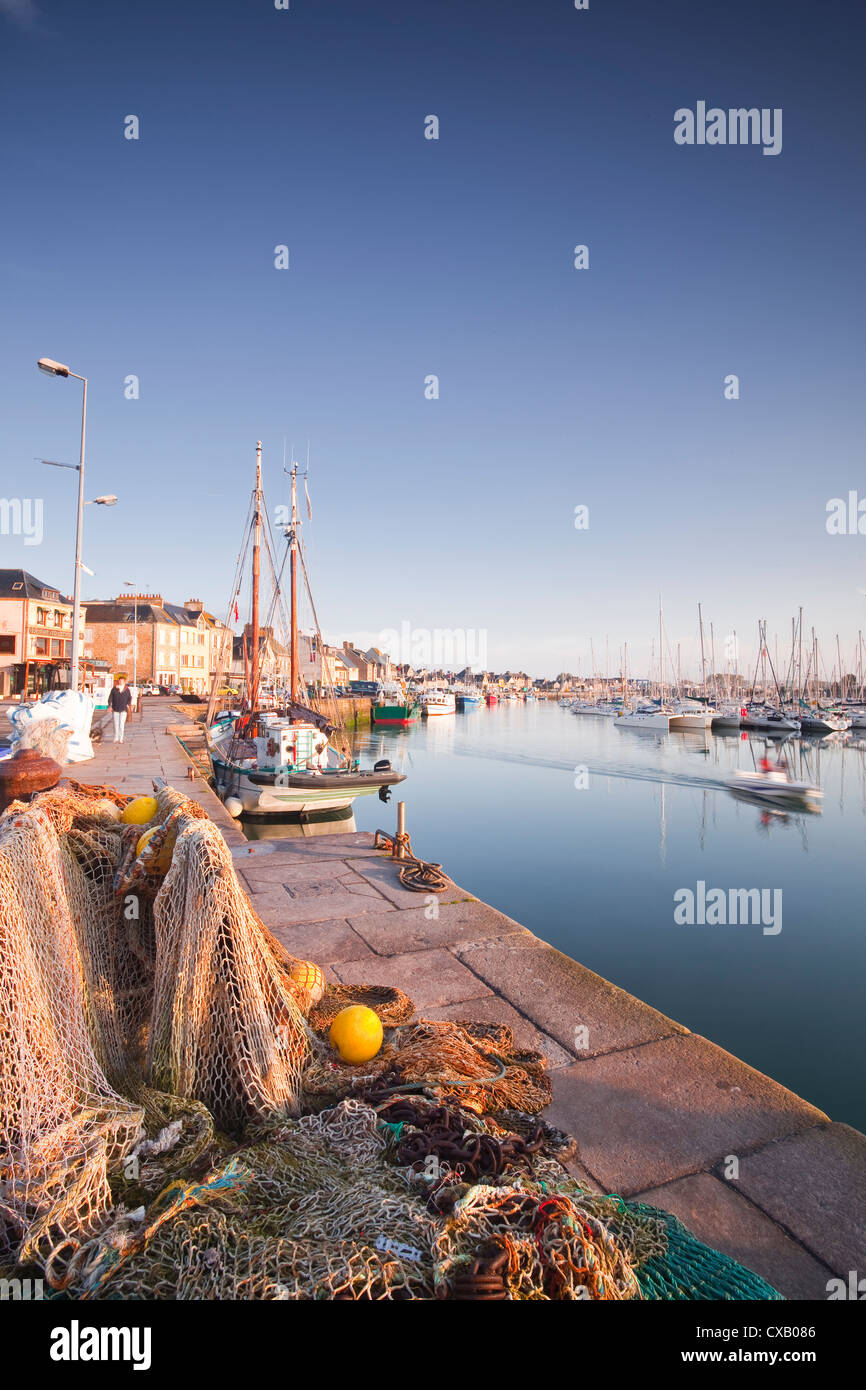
{"points": [[194, 605], [155, 599]]}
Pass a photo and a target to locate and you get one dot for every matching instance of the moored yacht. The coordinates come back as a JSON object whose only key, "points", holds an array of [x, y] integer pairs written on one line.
{"points": [[651, 717]]}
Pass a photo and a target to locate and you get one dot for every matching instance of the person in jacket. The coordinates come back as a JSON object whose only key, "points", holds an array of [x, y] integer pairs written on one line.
{"points": [[119, 702]]}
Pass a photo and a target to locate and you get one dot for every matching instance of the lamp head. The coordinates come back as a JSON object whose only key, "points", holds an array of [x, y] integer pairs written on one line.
{"points": [[52, 368]]}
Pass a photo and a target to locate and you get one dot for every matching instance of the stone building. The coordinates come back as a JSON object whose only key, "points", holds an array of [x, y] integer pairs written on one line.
{"points": [[151, 640]]}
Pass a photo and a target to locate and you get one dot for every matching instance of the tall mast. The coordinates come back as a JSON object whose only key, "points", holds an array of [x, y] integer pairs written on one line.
{"points": [[661, 654], [293, 687], [257, 552], [703, 661]]}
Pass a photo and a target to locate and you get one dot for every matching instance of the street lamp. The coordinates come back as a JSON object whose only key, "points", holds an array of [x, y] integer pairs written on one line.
{"points": [[52, 368]]}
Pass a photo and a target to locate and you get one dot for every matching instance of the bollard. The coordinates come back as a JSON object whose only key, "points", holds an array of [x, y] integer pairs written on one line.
{"points": [[401, 830]]}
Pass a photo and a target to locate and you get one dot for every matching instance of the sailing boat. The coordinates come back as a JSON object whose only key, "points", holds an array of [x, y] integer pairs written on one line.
{"points": [[280, 762]]}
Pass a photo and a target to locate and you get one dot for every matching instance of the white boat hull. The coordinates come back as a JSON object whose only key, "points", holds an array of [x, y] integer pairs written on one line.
{"points": [[432, 705], [657, 723], [775, 788], [701, 719]]}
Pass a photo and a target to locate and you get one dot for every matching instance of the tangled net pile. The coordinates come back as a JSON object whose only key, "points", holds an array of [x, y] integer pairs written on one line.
{"points": [[174, 1124]]}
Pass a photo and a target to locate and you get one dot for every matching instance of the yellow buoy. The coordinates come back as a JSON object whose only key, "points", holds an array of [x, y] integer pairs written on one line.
{"points": [[356, 1033], [310, 977], [140, 811], [162, 864]]}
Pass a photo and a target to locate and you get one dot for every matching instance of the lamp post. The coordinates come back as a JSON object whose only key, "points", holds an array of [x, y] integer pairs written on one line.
{"points": [[52, 368], [107, 500]]}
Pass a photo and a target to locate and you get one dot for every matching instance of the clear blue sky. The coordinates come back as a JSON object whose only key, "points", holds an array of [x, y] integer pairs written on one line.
{"points": [[601, 387]]}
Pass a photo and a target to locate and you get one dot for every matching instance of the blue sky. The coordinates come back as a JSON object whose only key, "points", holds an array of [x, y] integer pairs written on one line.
{"points": [[408, 257]]}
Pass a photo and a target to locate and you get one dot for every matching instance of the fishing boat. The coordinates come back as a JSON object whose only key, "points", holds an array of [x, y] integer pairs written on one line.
{"points": [[393, 706], [435, 702], [280, 761], [492, 698]]}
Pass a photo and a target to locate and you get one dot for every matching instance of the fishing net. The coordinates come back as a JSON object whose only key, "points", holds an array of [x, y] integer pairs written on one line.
{"points": [[174, 1123]]}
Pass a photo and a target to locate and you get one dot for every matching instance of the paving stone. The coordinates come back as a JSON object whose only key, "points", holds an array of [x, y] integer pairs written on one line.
{"points": [[412, 929], [430, 978], [266, 873], [717, 1214], [562, 996], [279, 906], [491, 1008], [814, 1184], [326, 942], [383, 874], [649, 1114]]}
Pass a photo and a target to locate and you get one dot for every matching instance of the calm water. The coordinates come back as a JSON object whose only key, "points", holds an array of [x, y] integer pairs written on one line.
{"points": [[491, 794]]}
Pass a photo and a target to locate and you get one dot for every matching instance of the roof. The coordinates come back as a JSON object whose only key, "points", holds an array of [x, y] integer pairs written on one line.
{"points": [[28, 587], [114, 612]]}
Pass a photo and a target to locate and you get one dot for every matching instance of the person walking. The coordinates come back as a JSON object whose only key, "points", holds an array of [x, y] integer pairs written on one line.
{"points": [[119, 702]]}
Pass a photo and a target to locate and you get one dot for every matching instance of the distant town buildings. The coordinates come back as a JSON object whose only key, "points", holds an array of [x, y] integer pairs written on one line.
{"points": [[184, 645]]}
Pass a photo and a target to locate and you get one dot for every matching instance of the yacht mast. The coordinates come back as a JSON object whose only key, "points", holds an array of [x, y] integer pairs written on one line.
{"points": [[254, 675], [293, 687]]}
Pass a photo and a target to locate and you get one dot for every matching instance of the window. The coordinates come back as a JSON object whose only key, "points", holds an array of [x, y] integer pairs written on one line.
{"points": [[55, 647], [58, 617], [67, 648], [7, 645], [17, 585], [41, 617], [88, 634], [41, 646]]}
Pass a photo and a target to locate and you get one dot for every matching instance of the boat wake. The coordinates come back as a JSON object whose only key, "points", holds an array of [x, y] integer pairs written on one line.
{"points": [[632, 773]]}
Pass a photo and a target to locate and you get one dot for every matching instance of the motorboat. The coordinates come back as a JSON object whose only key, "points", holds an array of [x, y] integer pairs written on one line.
{"points": [[776, 787]]}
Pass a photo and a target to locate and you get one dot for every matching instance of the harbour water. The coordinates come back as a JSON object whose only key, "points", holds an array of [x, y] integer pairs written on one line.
{"points": [[584, 833]]}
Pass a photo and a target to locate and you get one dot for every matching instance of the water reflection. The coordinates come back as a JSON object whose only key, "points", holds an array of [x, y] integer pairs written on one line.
{"points": [[297, 827]]}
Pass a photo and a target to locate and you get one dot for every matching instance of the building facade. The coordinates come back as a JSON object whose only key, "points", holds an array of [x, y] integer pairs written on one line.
{"points": [[35, 635], [150, 640]]}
